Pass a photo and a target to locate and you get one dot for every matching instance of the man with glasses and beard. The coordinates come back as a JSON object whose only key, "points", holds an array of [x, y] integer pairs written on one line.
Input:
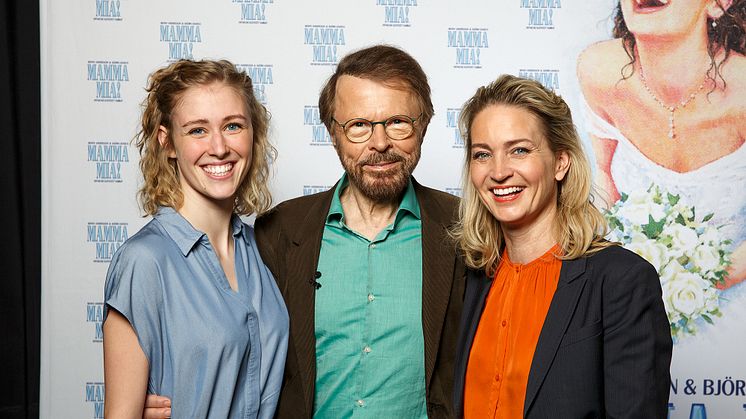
{"points": [[371, 280]]}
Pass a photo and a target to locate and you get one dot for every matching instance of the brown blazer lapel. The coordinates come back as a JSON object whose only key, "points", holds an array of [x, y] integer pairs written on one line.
{"points": [[438, 265], [558, 318], [305, 234]]}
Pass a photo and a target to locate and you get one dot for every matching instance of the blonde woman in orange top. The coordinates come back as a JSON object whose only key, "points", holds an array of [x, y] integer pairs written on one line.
{"points": [[557, 321]]}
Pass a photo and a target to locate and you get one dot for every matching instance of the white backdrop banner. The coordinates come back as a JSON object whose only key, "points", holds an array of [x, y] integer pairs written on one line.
{"points": [[97, 54]]}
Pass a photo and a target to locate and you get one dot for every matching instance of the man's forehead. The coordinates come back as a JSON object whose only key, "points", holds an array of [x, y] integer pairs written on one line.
{"points": [[348, 81]]}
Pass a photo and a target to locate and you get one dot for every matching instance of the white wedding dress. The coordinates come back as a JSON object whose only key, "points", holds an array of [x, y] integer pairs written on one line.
{"points": [[718, 187]]}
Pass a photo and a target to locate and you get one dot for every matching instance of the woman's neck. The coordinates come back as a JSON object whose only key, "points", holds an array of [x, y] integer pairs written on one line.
{"points": [[673, 68], [209, 217], [525, 244]]}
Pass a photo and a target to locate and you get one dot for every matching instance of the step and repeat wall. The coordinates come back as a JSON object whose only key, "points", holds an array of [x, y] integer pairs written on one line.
{"points": [[97, 54]]}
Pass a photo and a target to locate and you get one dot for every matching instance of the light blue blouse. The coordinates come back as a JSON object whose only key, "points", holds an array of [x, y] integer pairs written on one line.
{"points": [[215, 352]]}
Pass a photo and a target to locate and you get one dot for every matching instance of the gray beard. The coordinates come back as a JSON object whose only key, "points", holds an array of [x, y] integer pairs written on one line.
{"points": [[382, 187]]}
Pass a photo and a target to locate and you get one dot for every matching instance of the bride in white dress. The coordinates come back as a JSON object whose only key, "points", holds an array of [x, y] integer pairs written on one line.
{"points": [[665, 103]]}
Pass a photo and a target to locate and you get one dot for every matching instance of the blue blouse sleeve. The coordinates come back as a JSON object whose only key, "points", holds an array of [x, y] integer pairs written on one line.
{"points": [[133, 288]]}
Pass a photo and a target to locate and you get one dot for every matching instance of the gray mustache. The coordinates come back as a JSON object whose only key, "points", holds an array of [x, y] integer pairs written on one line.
{"points": [[387, 157]]}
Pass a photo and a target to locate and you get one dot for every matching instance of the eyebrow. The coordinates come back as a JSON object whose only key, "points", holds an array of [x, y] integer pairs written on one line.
{"points": [[508, 143], [204, 121]]}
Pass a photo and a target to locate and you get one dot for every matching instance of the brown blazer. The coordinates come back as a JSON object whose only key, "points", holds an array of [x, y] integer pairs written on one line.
{"points": [[289, 239]]}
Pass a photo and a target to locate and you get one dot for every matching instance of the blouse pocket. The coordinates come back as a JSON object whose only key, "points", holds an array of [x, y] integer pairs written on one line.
{"points": [[585, 332]]}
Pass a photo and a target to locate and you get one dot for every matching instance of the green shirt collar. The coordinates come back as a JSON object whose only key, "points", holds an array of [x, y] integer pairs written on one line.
{"points": [[408, 203]]}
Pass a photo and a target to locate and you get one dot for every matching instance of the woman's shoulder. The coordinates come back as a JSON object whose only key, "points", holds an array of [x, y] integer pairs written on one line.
{"points": [[146, 249], [599, 66], [616, 261], [150, 240]]}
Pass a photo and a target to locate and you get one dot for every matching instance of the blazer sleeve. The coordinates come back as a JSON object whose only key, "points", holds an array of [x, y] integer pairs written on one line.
{"points": [[637, 344]]}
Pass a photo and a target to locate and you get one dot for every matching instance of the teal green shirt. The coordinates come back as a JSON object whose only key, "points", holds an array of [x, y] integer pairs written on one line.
{"points": [[370, 360]]}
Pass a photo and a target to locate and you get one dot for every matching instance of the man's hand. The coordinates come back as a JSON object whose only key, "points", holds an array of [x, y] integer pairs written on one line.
{"points": [[157, 407]]}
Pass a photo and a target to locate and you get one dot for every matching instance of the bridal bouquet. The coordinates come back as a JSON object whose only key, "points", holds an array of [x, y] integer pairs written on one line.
{"points": [[689, 254]]}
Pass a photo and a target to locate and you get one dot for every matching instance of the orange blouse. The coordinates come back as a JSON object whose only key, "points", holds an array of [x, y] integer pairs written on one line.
{"points": [[504, 344]]}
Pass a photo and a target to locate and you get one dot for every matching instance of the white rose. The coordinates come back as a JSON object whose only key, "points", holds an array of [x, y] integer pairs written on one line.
{"points": [[683, 239], [686, 294], [706, 258], [684, 210], [650, 250], [669, 272], [638, 212]]}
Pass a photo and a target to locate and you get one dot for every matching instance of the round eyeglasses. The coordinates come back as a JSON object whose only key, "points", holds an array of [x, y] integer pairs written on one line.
{"points": [[397, 127]]}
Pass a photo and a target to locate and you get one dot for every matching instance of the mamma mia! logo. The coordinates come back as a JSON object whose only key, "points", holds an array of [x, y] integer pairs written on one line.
{"points": [[468, 44], [540, 13], [312, 119], [108, 10], [94, 395], [396, 12], [180, 37], [261, 77], [325, 42], [548, 78], [452, 115], [108, 77], [253, 11], [312, 189], [108, 158], [107, 237], [94, 314]]}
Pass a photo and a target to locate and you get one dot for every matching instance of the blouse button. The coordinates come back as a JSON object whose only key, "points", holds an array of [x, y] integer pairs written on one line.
{"points": [[505, 323]]}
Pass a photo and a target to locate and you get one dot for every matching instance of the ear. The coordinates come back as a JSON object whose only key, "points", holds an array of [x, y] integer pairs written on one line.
{"points": [[716, 8], [165, 142], [561, 165]]}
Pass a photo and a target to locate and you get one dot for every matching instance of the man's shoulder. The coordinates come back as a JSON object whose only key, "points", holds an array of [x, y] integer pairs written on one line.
{"points": [[436, 200], [293, 210]]}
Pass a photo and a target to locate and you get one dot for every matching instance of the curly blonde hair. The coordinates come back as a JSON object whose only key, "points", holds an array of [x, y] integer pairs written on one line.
{"points": [[580, 226], [161, 175]]}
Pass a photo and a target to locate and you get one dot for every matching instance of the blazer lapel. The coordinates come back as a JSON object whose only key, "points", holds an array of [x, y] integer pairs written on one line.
{"points": [[438, 265], [302, 260], [558, 318], [477, 288]]}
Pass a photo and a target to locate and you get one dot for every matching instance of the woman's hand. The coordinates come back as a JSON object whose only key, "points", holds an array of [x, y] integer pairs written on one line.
{"points": [[157, 407]]}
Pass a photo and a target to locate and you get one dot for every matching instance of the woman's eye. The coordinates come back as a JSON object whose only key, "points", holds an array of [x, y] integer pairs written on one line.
{"points": [[233, 126], [197, 131], [520, 150], [481, 155]]}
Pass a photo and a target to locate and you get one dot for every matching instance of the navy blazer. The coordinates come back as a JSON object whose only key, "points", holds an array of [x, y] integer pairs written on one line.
{"points": [[604, 349]]}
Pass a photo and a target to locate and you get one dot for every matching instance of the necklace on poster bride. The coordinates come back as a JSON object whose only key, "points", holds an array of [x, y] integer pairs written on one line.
{"points": [[671, 109]]}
